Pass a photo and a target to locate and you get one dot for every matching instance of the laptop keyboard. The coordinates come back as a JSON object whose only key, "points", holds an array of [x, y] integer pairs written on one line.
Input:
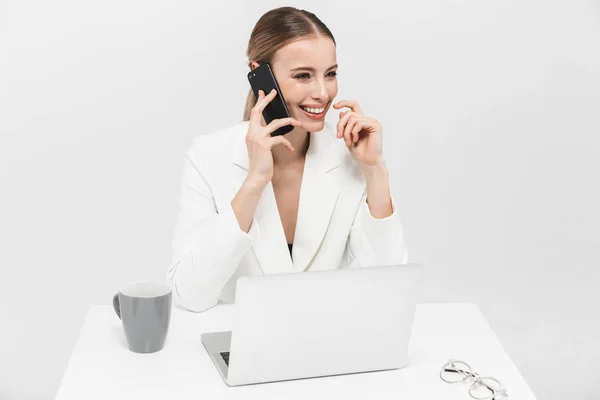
{"points": [[225, 356]]}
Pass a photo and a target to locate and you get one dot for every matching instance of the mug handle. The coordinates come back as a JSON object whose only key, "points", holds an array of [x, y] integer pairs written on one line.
{"points": [[117, 305]]}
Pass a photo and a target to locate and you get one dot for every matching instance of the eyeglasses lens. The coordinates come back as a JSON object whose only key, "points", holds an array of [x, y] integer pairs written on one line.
{"points": [[455, 372]]}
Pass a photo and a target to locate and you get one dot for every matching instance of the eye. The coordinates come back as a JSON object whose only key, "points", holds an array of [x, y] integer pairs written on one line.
{"points": [[306, 75]]}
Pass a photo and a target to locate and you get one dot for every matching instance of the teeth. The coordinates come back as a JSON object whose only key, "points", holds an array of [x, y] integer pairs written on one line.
{"points": [[313, 110]]}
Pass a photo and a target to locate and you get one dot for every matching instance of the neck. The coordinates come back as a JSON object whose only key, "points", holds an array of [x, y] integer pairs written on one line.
{"points": [[300, 140]]}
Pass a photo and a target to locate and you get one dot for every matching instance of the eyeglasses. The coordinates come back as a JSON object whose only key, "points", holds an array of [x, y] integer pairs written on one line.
{"points": [[486, 388]]}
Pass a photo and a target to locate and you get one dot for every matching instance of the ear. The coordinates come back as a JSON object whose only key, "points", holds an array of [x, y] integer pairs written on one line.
{"points": [[254, 64]]}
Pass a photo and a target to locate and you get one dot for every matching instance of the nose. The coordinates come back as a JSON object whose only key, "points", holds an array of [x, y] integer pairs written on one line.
{"points": [[319, 90]]}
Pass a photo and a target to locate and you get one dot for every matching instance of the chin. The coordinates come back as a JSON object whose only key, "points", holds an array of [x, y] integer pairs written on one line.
{"points": [[313, 126], [314, 123]]}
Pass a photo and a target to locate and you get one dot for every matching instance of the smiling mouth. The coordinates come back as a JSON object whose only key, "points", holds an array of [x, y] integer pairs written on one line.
{"points": [[312, 115], [315, 111]]}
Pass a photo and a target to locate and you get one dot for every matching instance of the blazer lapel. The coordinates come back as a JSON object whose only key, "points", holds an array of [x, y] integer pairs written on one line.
{"points": [[318, 196]]}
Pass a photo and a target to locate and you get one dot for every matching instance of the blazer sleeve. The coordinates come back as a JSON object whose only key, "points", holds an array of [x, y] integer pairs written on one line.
{"points": [[208, 244], [376, 241]]}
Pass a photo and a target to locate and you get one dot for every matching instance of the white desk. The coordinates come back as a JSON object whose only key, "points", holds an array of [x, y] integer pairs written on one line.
{"points": [[101, 367]]}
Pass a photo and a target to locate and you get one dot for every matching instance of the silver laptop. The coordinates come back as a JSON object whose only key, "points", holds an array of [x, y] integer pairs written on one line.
{"points": [[320, 323]]}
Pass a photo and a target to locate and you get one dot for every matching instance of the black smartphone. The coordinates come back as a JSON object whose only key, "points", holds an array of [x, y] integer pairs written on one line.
{"points": [[262, 78]]}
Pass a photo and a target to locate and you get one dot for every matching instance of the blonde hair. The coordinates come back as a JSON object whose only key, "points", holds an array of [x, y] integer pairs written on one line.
{"points": [[275, 29]]}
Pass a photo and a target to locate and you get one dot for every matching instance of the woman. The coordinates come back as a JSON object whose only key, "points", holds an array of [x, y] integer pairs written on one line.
{"points": [[316, 198]]}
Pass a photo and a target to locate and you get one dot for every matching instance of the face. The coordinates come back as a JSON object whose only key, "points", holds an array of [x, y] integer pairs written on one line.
{"points": [[306, 73]]}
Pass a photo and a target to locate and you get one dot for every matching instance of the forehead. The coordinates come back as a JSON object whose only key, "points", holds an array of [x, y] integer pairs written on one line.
{"points": [[314, 51]]}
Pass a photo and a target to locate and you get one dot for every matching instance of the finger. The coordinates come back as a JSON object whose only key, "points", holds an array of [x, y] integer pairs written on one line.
{"points": [[280, 140], [344, 117], [351, 104], [348, 130], [358, 126], [262, 103], [255, 114], [339, 125], [362, 123], [278, 123]]}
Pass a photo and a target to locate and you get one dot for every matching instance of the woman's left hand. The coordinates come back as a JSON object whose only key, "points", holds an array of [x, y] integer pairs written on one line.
{"points": [[361, 134]]}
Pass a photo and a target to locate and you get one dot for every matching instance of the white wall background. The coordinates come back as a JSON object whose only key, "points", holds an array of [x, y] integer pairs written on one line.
{"points": [[491, 121]]}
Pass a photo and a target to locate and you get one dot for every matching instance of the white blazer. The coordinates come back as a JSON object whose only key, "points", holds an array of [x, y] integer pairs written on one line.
{"points": [[334, 227]]}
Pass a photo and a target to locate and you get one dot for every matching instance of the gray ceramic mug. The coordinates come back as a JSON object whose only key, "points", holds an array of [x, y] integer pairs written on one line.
{"points": [[145, 311]]}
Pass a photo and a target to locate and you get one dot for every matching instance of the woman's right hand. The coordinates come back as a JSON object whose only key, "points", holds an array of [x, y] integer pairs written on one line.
{"points": [[259, 141]]}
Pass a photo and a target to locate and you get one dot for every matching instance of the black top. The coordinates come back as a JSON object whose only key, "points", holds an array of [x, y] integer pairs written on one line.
{"points": [[290, 247]]}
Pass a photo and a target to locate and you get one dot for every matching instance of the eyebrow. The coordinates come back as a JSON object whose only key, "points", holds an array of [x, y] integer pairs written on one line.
{"points": [[311, 68]]}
